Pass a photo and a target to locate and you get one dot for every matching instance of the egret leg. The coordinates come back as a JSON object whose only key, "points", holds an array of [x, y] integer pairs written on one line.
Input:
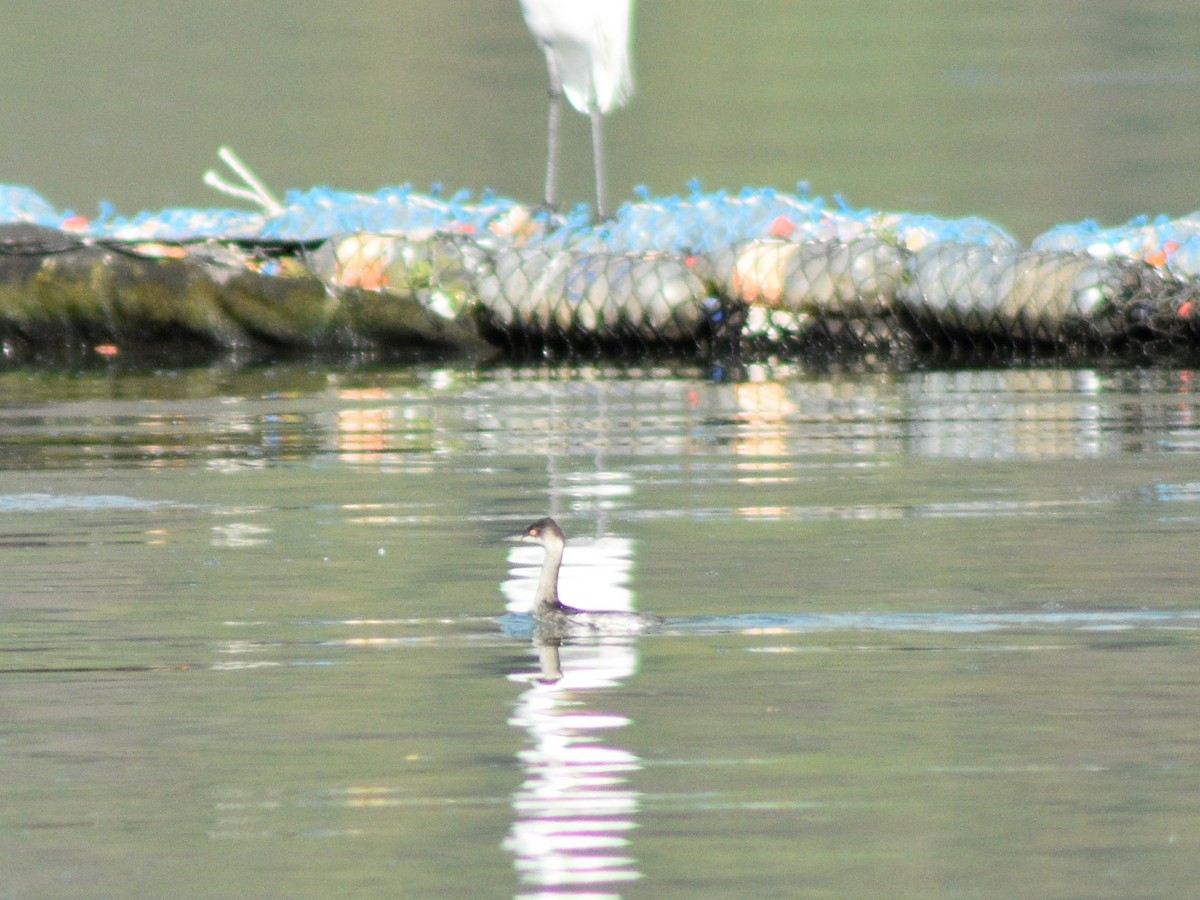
{"points": [[555, 93], [598, 161]]}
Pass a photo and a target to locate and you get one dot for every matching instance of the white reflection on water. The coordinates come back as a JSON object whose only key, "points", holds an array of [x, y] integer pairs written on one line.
{"points": [[575, 808], [236, 535], [595, 574]]}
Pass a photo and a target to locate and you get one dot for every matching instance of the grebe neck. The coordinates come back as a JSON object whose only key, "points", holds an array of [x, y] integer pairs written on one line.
{"points": [[546, 599]]}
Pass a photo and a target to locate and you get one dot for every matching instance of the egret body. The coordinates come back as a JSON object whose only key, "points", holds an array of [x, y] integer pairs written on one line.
{"points": [[586, 43]]}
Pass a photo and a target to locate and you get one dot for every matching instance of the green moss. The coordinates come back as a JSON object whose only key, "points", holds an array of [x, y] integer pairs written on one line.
{"points": [[392, 320]]}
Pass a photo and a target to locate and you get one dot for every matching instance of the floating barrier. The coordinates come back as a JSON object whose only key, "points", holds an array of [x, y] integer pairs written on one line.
{"points": [[760, 271]]}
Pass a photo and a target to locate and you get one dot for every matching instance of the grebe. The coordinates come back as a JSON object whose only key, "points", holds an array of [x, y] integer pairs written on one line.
{"points": [[586, 43], [550, 615]]}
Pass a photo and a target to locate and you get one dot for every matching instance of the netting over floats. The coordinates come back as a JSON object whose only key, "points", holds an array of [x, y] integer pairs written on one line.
{"points": [[757, 272]]}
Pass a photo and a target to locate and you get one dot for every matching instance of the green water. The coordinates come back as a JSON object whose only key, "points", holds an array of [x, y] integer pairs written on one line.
{"points": [[929, 634]]}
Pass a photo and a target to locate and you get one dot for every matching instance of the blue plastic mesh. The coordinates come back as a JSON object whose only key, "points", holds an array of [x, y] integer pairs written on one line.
{"points": [[758, 266]]}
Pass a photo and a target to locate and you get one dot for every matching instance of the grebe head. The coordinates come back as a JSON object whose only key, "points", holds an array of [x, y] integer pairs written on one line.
{"points": [[543, 532]]}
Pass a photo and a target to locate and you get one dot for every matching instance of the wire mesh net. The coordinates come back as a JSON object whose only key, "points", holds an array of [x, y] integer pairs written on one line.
{"points": [[756, 273], [824, 283]]}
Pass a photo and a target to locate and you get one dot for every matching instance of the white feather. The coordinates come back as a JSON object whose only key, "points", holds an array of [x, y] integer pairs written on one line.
{"points": [[589, 42]]}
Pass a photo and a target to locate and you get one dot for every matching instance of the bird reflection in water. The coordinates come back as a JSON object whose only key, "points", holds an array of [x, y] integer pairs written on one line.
{"points": [[575, 809]]}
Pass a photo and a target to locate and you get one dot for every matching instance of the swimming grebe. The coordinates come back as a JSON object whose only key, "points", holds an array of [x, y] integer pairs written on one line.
{"points": [[550, 615]]}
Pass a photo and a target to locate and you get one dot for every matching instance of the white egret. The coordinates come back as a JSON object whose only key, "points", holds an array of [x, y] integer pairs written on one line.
{"points": [[586, 43]]}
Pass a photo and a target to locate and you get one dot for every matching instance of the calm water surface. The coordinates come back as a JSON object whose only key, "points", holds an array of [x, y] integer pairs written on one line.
{"points": [[930, 634]]}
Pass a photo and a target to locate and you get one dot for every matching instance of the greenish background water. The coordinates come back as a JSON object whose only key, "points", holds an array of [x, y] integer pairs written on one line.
{"points": [[1029, 114], [930, 634]]}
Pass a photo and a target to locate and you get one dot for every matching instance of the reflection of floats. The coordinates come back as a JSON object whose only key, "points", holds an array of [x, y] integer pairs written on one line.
{"points": [[574, 809], [770, 413], [1034, 414], [377, 431]]}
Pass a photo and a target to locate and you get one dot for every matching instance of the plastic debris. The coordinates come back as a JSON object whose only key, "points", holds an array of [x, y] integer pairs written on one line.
{"points": [[760, 269]]}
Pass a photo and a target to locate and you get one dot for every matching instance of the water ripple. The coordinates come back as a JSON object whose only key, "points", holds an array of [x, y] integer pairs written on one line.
{"points": [[86, 502], [942, 623]]}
